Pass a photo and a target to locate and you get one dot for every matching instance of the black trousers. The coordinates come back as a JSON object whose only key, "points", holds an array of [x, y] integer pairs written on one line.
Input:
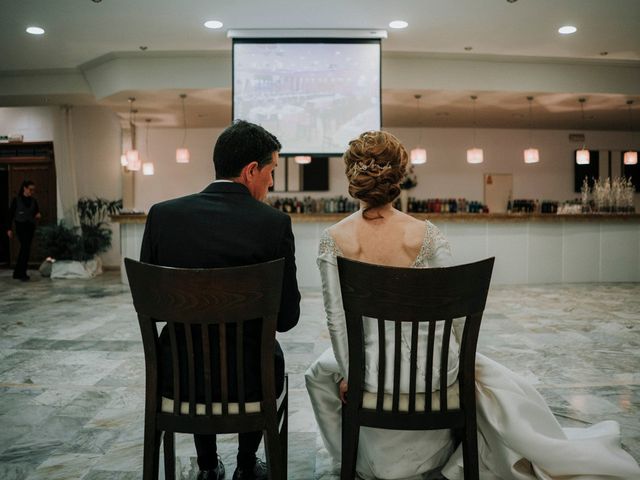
{"points": [[24, 232], [248, 442]]}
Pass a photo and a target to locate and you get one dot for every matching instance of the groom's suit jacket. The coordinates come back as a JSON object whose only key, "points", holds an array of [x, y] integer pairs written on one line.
{"points": [[223, 226]]}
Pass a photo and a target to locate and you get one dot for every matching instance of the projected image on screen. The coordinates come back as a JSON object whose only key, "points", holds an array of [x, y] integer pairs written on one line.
{"points": [[314, 97]]}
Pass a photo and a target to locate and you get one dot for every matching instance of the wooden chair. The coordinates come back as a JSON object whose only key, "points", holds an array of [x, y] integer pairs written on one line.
{"points": [[412, 296], [197, 304]]}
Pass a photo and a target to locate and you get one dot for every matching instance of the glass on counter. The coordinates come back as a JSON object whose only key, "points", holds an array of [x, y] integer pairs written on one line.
{"points": [[608, 196]]}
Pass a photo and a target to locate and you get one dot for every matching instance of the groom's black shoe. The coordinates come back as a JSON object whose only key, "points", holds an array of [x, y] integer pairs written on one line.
{"points": [[259, 471], [214, 474]]}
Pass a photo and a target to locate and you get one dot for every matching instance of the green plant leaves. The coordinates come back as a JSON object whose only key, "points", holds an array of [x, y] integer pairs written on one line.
{"points": [[92, 238]]}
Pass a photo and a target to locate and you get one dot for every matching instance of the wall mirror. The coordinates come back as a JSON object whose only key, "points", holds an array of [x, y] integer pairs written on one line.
{"points": [[293, 177]]}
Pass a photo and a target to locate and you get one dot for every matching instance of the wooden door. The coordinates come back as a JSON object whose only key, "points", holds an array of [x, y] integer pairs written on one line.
{"points": [[498, 189]]}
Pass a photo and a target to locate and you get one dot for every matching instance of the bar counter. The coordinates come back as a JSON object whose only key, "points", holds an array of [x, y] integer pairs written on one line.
{"points": [[434, 217], [529, 248]]}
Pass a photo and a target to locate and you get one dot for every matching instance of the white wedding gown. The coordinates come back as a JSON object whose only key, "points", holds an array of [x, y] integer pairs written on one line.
{"points": [[518, 436]]}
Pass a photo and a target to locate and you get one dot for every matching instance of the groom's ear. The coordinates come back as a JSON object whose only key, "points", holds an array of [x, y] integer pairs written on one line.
{"points": [[249, 170]]}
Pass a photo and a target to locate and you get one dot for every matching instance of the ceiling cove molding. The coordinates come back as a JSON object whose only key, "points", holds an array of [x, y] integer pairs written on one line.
{"points": [[127, 71]]}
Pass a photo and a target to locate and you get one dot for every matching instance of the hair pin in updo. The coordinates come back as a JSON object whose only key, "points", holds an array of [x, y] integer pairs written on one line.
{"points": [[372, 166]]}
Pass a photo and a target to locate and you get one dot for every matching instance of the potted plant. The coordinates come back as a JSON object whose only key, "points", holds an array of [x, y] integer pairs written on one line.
{"points": [[74, 251]]}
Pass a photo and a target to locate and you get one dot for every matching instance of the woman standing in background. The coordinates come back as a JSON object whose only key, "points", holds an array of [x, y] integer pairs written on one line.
{"points": [[25, 212]]}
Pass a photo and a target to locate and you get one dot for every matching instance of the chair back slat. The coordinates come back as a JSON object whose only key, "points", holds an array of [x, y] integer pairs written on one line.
{"points": [[191, 365], [224, 380], [428, 374], [356, 359], [467, 356], [397, 351], [444, 364], [240, 364], [206, 353], [382, 364], [175, 367], [413, 366], [267, 362]]}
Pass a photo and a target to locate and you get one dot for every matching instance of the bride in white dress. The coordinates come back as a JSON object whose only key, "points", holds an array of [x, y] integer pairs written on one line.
{"points": [[518, 436]]}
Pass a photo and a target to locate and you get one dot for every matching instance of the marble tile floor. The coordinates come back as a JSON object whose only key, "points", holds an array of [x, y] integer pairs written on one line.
{"points": [[72, 373]]}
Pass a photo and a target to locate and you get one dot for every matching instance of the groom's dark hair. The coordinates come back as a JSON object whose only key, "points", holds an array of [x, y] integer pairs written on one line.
{"points": [[240, 144]]}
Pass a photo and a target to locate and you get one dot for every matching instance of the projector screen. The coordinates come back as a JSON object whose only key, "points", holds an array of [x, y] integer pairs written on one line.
{"points": [[314, 95]]}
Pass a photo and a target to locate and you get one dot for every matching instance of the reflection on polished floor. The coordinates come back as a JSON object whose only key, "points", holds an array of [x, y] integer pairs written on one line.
{"points": [[72, 373]]}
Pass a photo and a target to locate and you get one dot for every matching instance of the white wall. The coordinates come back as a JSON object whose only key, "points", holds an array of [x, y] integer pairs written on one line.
{"points": [[448, 175], [172, 179], [96, 147]]}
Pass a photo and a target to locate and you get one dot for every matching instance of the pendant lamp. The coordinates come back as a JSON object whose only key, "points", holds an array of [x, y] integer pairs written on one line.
{"points": [[631, 156], [133, 157], [582, 155], [182, 153], [418, 155], [531, 154], [475, 155], [147, 167]]}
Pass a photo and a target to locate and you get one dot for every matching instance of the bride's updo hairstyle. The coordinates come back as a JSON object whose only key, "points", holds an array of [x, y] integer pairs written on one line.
{"points": [[375, 164]]}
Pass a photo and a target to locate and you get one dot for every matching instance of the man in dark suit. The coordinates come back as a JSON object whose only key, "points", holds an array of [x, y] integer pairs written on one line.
{"points": [[228, 225]]}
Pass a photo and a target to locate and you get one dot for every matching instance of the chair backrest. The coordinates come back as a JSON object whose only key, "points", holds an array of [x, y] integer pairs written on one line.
{"points": [[413, 296], [196, 302]]}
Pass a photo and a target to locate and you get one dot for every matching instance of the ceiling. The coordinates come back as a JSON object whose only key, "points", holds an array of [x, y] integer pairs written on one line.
{"points": [[80, 31]]}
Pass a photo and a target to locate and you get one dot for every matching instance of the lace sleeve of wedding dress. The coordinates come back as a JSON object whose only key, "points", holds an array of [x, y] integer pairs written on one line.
{"points": [[437, 253], [328, 251], [435, 250]]}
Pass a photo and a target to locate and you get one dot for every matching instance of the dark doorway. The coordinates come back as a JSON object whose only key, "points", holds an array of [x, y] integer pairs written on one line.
{"points": [[5, 198], [21, 161]]}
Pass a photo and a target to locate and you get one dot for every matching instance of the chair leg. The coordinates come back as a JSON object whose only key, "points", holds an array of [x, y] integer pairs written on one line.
{"points": [[350, 439], [169, 456], [274, 452], [284, 437], [470, 448], [151, 452]]}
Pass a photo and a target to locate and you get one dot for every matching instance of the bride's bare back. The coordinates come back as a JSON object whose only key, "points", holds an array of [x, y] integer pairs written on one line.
{"points": [[393, 240]]}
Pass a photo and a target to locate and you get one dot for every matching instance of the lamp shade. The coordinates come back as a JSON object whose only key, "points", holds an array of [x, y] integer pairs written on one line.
{"points": [[182, 155], [133, 160], [630, 158], [123, 160], [582, 157], [302, 159], [475, 155], [147, 168], [531, 155], [418, 156]]}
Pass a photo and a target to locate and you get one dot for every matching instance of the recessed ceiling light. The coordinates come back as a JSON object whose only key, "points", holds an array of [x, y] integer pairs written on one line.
{"points": [[567, 30], [213, 24], [35, 30], [398, 24]]}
